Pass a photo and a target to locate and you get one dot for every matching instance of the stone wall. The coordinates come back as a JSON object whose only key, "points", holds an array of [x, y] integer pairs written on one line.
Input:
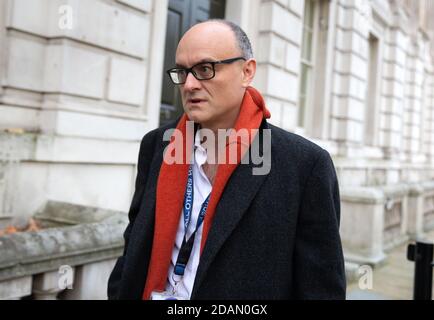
{"points": [[278, 54], [75, 75]]}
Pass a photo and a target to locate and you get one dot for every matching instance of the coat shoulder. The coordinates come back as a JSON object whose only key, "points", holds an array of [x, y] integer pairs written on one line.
{"points": [[292, 144]]}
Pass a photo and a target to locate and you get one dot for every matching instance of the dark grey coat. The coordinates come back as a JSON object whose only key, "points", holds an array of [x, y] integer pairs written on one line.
{"points": [[273, 236]]}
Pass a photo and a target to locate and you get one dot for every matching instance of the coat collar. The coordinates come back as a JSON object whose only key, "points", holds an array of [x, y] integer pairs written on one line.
{"points": [[239, 193]]}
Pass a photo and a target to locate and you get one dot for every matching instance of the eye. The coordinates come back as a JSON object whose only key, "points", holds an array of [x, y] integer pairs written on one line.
{"points": [[205, 68]]}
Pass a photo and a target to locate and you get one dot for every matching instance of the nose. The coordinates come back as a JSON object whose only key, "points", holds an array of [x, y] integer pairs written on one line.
{"points": [[191, 83]]}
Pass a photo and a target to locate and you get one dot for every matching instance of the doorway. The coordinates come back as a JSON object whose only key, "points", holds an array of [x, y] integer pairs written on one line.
{"points": [[181, 15]]}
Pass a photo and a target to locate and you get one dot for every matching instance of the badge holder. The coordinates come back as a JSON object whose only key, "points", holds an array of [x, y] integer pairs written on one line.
{"points": [[167, 295]]}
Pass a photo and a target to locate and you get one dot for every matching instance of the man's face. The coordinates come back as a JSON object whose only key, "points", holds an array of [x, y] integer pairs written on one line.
{"points": [[211, 102]]}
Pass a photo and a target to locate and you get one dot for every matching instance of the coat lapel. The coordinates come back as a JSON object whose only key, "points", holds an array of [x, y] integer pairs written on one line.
{"points": [[239, 193], [141, 236]]}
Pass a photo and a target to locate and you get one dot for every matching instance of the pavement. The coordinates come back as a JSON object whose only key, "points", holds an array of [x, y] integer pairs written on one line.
{"points": [[393, 280]]}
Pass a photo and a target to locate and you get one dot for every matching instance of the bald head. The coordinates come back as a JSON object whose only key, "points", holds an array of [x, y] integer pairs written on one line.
{"points": [[242, 40], [211, 37], [213, 47]]}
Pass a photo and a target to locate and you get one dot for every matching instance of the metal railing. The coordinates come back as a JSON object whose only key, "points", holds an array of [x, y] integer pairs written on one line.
{"points": [[422, 255]]}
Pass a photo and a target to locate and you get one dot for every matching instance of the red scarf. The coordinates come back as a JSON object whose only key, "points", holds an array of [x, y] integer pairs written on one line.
{"points": [[171, 187]]}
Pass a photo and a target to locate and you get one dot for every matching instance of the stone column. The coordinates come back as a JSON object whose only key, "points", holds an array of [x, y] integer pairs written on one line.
{"points": [[362, 223], [15, 289], [350, 81], [48, 285], [393, 94], [91, 281], [278, 55], [415, 212]]}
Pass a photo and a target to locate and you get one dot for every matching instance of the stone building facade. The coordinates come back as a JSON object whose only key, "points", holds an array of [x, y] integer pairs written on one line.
{"points": [[81, 82]]}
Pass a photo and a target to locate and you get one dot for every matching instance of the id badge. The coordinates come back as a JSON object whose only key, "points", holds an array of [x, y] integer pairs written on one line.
{"points": [[165, 295]]}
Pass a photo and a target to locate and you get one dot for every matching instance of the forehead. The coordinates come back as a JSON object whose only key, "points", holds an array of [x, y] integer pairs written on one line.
{"points": [[206, 41]]}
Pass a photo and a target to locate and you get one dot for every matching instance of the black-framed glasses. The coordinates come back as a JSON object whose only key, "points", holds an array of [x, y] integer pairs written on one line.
{"points": [[201, 71]]}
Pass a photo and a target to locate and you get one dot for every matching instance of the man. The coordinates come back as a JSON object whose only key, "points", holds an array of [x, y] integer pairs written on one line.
{"points": [[205, 228]]}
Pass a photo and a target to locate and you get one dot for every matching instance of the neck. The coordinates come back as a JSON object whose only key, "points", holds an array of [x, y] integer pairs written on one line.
{"points": [[224, 124], [227, 123]]}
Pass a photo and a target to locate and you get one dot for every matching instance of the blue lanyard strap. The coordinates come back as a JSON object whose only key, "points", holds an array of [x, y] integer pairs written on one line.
{"points": [[187, 245]]}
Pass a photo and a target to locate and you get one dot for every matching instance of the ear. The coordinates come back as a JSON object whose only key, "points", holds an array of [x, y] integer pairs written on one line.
{"points": [[249, 71]]}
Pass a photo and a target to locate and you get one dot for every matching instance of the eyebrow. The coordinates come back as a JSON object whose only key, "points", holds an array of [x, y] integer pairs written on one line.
{"points": [[179, 65]]}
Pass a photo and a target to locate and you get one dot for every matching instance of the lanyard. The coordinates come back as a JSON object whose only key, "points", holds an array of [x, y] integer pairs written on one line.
{"points": [[187, 245]]}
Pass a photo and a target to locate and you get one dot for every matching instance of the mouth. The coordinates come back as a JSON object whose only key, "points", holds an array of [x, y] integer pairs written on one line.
{"points": [[195, 101]]}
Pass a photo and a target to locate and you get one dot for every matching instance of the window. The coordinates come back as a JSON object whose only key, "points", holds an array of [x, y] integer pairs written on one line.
{"points": [[425, 114], [307, 61], [316, 69], [372, 92]]}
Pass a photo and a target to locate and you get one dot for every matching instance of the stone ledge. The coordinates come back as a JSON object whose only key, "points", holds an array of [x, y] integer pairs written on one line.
{"points": [[362, 195], [374, 260], [380, 194], [31, 146], [428, 186], [396, 191], [416, 190], [87, 235]]}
